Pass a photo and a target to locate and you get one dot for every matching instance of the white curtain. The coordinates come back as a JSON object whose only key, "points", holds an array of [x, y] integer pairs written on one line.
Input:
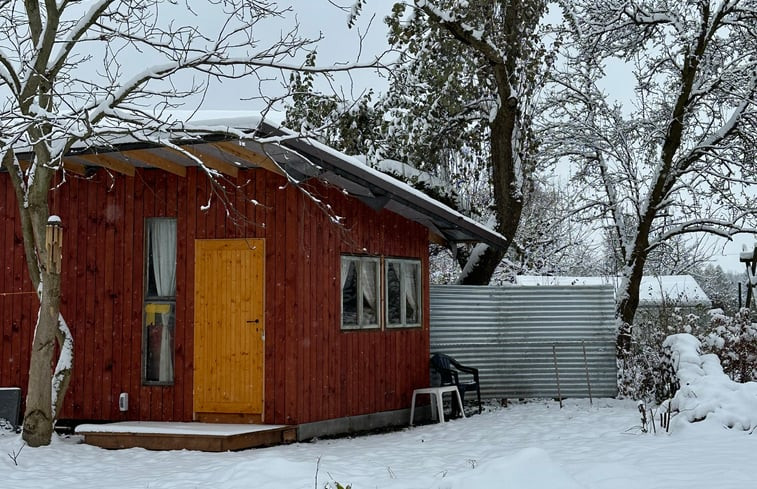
{"points": [[410, 287], [345, 271], [163, 247], [162, 235], [368, 276]]}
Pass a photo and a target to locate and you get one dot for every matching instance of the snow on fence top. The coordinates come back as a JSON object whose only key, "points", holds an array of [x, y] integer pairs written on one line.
{"points": [[679, 290]]}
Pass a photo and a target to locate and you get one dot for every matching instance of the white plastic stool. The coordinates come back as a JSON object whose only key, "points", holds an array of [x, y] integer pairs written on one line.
{"points": [[437, 404]]}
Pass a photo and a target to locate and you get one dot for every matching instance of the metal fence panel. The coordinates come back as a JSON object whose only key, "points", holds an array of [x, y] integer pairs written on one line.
{"points": [[513, 333]]}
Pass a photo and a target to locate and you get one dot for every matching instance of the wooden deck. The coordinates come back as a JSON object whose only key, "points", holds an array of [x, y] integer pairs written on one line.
{"points": [[207, 437]]}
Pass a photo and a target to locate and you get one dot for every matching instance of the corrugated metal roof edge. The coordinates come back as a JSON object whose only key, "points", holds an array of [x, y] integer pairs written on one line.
{"points": [[441, 215]]}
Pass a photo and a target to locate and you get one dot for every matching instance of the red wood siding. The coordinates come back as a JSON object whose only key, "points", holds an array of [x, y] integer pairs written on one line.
{"points": [[313, 370]]}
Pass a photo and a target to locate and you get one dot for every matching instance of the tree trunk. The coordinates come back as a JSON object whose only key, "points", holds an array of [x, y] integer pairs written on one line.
{"points": [[626, 309], [628, 302], [39, 416], [507, 187], [48, 376]]}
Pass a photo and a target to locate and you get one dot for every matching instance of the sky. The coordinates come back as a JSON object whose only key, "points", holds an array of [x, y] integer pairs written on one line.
{"points": [[340, 44]]}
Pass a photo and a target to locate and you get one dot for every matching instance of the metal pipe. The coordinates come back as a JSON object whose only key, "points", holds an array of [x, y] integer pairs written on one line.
{"points": [[557, 374], [586, 367]]}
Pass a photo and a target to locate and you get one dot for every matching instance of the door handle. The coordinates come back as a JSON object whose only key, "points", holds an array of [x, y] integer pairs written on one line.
{"points": [[256, 321]]}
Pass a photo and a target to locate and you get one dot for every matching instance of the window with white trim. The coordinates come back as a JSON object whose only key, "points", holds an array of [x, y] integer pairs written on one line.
{"points": [[403, 293], [361, 292]]}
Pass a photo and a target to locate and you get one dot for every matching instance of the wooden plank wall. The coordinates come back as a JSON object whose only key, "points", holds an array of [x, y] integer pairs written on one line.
{"points": [[313, 370]]}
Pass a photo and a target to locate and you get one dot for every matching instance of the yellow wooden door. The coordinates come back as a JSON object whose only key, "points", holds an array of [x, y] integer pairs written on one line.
{"points": [[229, 332]]}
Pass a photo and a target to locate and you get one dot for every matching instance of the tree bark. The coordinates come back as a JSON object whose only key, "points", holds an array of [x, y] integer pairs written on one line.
{"points": [[39, 417], [507, 190], [43, 397]]}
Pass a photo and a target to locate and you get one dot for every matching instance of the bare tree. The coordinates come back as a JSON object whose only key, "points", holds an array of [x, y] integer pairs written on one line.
{"points": [[83, 73], [679, 159]]}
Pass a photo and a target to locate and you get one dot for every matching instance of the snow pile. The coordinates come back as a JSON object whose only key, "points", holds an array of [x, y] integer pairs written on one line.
{"points": [[706, 393], [528, 468]]}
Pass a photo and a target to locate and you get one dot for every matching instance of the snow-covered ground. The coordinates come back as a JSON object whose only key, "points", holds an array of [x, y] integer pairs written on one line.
{"points": [[526, 445]]}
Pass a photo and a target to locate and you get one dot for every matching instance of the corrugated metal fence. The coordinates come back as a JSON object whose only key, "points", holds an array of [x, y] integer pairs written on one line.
{"points": [[509, 333]]}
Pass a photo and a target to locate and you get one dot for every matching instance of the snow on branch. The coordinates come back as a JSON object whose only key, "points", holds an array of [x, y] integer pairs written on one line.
{"points": [[730, 126], [725, 228], [462, 31]]}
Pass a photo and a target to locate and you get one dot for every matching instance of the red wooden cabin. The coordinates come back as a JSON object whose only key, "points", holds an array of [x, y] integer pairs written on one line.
{"points": [[265, 311]]}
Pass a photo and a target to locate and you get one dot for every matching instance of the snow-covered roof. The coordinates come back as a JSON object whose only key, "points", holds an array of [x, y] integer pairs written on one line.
{"points": [[677, 289], [748, 255], [681, 290], [231, 143], [381, 191]]}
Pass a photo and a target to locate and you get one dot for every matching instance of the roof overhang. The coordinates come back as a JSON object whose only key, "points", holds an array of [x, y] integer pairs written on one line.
{"points": [[298, 158]]}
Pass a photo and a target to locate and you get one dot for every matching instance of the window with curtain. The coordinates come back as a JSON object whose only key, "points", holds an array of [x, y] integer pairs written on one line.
{"points": [[160, 301], [403, 293], [361, 293]]}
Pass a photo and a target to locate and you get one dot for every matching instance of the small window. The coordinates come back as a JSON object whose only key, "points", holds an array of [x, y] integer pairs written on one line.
{"points": [[403, 293], [160, 302], [361, 292]]}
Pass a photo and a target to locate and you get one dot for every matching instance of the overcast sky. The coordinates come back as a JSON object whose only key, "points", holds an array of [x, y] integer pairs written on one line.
{"points": [[340, 45]]}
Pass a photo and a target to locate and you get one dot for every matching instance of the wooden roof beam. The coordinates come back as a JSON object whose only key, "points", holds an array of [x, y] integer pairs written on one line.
{"points": [[109, 162], [209, 160], [154, 160], [73, 167], [245, 154]]}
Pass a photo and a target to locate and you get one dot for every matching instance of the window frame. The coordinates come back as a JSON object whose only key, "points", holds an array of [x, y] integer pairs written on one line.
{"points": [[360, 261], [153, 300], [403, 262], [382, 290]]}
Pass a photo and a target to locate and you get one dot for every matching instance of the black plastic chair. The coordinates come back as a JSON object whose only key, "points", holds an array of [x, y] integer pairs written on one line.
{"points": [[449, 371]]}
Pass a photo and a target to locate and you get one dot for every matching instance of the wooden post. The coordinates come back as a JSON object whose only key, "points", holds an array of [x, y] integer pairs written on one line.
{"points": [[557, 374], [586, 367], [751, 270]]}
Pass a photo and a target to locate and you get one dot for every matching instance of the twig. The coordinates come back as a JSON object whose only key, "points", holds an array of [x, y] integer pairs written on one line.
{"points": [[651, 417], [14, 455], [317, 466]]}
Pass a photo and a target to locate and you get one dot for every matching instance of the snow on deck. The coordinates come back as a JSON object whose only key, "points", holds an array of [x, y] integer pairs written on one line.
{"points": [[164, 428]]}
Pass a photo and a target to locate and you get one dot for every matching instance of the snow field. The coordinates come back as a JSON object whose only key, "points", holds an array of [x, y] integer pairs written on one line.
{"points": [[526, 445]]}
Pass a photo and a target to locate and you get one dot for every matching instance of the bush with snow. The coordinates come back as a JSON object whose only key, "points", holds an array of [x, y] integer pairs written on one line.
{"points": [[706, 392], [734, 340], [645, 373]]}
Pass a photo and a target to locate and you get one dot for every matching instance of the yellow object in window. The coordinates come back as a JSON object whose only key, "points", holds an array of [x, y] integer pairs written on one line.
{"points": [[152, 309]]}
